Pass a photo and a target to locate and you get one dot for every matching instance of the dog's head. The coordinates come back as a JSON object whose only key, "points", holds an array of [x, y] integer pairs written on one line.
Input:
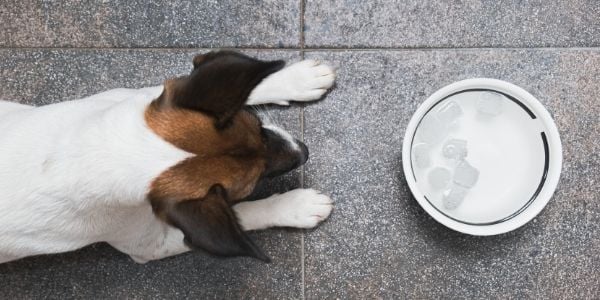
{"points": [[204, 114]]}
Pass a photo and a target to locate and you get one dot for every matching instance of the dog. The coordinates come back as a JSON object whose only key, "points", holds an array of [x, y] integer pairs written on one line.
{"points": [[158, 171]]}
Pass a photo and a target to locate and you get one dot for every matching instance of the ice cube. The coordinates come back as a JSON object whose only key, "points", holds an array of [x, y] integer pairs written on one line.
{"points": [[420, 153], [439, 178], [455, 149], [490, 103], [431, 130], [449, 112], [454, 196], [465, 174]]}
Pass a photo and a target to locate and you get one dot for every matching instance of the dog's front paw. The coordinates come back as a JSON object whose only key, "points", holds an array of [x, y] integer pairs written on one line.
{"points": [[302, 208], [303, 81], [309, 80]]}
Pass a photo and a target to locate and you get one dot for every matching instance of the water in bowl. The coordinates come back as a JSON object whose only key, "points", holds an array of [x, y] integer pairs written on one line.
{"points": [[475, 154]]}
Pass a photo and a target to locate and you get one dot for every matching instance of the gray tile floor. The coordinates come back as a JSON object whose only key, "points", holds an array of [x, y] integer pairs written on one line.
{"points": [[391, 55]]}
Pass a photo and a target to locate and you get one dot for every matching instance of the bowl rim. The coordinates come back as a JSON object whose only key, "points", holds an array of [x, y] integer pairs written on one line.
{"points": [[554, 166]]}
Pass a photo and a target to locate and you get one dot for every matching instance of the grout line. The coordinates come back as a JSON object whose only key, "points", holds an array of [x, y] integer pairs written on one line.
{"points": [[301, 48], [149, 48], [302, 174], [302, 170], [449, 49], [443, 48], [302, 10]]}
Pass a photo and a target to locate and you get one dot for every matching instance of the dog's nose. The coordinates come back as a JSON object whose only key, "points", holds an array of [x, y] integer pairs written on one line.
{"points": [[304, 152]]}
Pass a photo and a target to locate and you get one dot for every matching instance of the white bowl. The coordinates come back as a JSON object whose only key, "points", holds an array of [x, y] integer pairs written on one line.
{"points": [[517, 153]]}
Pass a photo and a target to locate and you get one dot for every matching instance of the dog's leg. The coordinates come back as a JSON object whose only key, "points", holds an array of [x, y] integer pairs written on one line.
{"points": [[303, 81], [155, 245], [301, 208], [146, 237]]}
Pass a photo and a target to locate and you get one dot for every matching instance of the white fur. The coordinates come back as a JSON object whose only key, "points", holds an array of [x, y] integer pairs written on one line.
{"points": [[301, 208], [307, 80], [77, 172]]}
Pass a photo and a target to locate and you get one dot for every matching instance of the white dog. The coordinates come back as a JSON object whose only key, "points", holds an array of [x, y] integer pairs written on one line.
{"points": [[157, 171]]}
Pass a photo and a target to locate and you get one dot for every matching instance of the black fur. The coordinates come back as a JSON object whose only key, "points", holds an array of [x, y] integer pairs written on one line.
{"points": [[210, 224], [280, 157], [219, 85]]}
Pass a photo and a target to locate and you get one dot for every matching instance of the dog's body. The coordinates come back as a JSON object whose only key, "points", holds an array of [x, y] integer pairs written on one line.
{"points": [[104, 169]]}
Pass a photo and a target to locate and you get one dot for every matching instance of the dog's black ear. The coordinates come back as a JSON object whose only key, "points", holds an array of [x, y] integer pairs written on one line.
{"points": [[210, 224], [219, 85]]}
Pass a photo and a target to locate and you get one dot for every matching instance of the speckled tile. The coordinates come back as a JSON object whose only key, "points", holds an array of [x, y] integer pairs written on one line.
{"points": [[379, 243], [468, 23], [112, 23], [49, 76]]}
